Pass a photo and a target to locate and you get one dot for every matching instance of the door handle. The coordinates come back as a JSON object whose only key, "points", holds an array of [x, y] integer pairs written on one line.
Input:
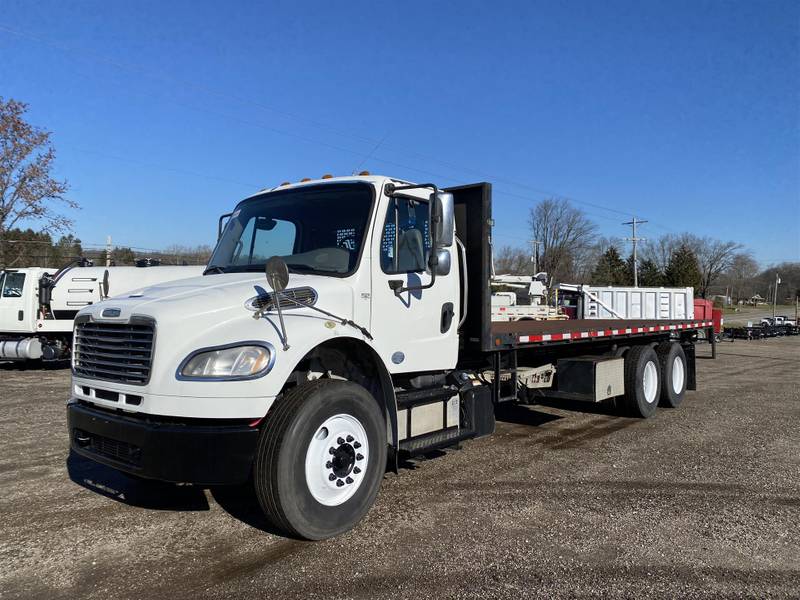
{"points": [[447, 317]]}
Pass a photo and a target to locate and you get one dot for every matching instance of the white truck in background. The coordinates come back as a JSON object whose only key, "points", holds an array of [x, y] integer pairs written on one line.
{"points": [[38, 305], [506, 305]]}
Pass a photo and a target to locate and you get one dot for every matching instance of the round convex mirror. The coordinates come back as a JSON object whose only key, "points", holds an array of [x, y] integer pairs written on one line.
{"points": [[277, 273]]}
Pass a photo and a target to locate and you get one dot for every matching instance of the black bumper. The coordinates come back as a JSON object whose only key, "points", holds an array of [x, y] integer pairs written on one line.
{"points": [[179, 451]]}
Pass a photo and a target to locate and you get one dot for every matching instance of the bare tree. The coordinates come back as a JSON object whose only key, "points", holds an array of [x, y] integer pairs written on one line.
{"points": [[660, 250], [741, 275], [567, 237], [714, 257], [509, 260], [26, 186]]}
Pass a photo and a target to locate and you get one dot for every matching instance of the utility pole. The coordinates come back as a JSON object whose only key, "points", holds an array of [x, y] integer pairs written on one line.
{"points": [[634, 240], [535, 256], [775, 296]]}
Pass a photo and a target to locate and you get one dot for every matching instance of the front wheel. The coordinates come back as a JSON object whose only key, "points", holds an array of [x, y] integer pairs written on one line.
{"points": [[320, 459]]}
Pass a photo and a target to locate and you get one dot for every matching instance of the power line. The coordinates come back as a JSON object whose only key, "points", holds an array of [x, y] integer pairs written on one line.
{"points": [[349, 134]]}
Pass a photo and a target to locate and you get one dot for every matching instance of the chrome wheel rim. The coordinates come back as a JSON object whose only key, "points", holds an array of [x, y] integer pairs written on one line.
{"points": [[336, 459]]}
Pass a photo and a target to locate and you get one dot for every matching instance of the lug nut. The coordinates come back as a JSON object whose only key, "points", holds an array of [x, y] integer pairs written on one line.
{"points": [[340, 441], [329, 465], [331, 477], [350, 438], [357, 445], [349, 480], [331, 450], [359, 457], [339, 483], [356, 470]]}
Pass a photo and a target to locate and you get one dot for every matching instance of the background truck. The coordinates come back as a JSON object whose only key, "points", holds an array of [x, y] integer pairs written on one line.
{"points": [[506, 305], [38, 305], [340, 323]]}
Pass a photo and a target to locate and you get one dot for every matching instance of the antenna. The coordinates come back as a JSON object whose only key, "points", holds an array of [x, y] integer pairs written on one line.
{"points": [[633, 239]]}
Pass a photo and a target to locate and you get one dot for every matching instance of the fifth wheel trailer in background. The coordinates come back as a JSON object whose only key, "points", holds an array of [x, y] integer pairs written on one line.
{"points": [[38, 305]]}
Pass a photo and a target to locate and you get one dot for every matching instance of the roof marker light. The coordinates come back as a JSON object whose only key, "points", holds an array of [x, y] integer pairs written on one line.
{"points": [[304, 179], [327, 176], [364, 174], [285, 183]]}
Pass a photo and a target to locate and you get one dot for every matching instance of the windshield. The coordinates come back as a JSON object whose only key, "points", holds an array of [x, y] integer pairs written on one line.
{"points": [[11, 284], [316, 229]]}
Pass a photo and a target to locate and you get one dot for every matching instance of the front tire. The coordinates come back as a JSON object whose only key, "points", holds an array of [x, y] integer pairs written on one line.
{"points": [[320, 459]]}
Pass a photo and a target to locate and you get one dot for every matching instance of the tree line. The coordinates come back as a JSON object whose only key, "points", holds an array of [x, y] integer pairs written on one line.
{"points": [[571, 250], [28, 248]]}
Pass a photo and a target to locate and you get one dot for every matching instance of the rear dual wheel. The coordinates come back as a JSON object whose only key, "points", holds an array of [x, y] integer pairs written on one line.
{"points": [[674, 373], [320, 459], [642, 382]]}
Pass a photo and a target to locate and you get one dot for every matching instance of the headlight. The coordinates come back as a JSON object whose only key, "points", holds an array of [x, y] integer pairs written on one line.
{"points": [[245, 361]]}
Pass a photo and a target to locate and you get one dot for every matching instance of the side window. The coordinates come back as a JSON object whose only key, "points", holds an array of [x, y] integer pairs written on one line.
{"points": [[264, 237], [406, 243], [13, 284]]}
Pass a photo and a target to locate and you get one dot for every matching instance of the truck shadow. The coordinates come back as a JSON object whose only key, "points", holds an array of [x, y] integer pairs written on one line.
{"points": [[141, 493], [606, 407], [241, 503], [238, 501], [520, 414], [34, 365]]}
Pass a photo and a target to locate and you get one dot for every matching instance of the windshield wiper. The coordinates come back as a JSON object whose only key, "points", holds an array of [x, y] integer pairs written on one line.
{"points": [[213, 269]]}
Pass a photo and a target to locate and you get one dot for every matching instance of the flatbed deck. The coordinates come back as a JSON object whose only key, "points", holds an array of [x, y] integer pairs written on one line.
{"points": [[524, 333]]}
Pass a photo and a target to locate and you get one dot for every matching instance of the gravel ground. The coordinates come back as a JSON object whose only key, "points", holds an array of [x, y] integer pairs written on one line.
{"points": [[700, 501]]}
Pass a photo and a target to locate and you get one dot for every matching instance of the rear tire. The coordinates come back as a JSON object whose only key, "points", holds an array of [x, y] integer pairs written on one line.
{"points": [[673, 374], [321, 458], [642, 382]]}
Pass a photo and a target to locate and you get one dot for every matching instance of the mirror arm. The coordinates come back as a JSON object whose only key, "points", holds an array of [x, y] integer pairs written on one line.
{"points": [[219, 226]]}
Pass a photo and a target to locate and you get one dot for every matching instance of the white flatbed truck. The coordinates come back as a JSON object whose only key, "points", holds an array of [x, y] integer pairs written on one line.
{"points": [[369, 336]]}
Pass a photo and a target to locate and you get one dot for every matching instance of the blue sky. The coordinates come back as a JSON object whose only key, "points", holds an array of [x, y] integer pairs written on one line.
{"points": [[164, 114]]}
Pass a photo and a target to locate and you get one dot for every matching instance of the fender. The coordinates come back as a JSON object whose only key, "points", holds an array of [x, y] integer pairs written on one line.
{"points": [[353, 346]]}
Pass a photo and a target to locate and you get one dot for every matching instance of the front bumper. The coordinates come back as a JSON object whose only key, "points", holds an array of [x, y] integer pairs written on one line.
{"points": [[187, 451]]}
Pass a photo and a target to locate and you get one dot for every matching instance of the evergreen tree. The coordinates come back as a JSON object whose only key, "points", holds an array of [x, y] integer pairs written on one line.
{"points": [[610, 269], [649, 274], [683, 269]]}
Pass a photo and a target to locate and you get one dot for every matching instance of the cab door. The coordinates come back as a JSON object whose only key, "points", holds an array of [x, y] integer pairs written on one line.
{"points": [[417, 329], [15, 314]]}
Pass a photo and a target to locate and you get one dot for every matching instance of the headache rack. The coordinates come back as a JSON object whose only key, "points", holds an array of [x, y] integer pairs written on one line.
{"points": [[119, 352]]}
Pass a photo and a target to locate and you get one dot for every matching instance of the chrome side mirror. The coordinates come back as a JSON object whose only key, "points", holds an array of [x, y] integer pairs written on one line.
{"points": [[442, 265], [442, 218]]}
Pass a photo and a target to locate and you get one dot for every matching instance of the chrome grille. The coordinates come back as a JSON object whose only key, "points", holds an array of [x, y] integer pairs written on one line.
{"points": [[288, 299], [121, 352]]}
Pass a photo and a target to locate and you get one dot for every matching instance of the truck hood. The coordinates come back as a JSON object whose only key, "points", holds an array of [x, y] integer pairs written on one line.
{"points": [[222, 295]]}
